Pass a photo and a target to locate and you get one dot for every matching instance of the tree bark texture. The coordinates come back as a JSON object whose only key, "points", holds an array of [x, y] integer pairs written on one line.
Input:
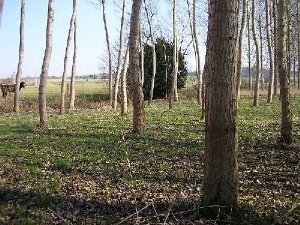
{"points": [[173, 91], [73, 76], [240, 48], [21, 59], [286, 115], [64, 75], [45, 67], [153, 53], [275, 49], [258, 62], [110, 79], [124, 106], [119, 67], [220, 169], [135, 68], [271, 54]]}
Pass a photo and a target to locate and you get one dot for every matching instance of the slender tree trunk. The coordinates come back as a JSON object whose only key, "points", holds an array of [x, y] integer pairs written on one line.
{"points": [[298, 41], [191, 21], [197, 58], [119, 68], [166, 70], [262, 75], [45, 67], [124, 107], [240, 48], [249, 50], [142, 55], [288, 42], [270, 50], [73, 76], [135, 68], [258, 62], [21, 59], [153, 54], [275, 49], [286, 116], [110, 79], [220, 185], [173, 93], [63, 80]]}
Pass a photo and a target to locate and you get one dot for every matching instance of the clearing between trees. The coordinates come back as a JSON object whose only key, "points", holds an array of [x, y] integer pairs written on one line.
{"points": [[88, 168]]}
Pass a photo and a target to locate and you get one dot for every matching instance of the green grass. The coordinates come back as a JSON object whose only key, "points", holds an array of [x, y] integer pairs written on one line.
{"points": [[89, 162]]}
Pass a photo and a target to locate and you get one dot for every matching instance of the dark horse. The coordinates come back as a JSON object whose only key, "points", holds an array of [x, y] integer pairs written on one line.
{"points": [[6, 88]]}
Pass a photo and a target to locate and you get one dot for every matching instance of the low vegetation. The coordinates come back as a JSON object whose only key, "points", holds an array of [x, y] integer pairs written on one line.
{"points": [[88, 168]]}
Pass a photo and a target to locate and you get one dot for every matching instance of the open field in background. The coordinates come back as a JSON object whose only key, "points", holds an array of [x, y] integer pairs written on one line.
{"points": [[88, 168]]}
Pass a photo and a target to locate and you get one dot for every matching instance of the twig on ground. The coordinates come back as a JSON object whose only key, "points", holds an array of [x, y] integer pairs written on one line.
{"points": [[60, 217], [128, 217]]}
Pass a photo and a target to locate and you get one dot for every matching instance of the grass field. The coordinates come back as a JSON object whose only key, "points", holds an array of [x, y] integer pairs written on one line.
{"points": [[88, 168]]}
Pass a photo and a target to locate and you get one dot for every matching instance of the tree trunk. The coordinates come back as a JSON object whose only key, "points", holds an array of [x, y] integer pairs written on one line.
{"points": [[298, 41], [258, 62], [73, 76], [63, 80], [286, 116], [45, 67], [142, 55], [288, 42], [21, 58], [275, 50], [153, 53], [240, 48], [262, 78], [110, 89], [119, 68], [124, 108], [220, 170], [173, 92], [249, 50], [135, 68], [196, 48], [270, 50]]}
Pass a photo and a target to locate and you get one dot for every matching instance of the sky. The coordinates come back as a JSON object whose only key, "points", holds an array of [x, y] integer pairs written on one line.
{"points": [[91, 36]]}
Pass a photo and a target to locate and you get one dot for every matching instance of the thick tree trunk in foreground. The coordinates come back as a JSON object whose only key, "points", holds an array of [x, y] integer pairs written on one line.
{"points": [[220, 170], [135, 68], [286, 115], [45, 67], [21, 59], [63, 80]]}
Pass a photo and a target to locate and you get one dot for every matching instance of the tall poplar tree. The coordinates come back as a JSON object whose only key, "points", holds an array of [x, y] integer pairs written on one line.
{"points": [[286, 115], [45, 66], [21, 59], [135, 68], [221, 138]]}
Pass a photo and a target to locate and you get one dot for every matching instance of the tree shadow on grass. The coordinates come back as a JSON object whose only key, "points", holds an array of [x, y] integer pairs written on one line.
{"points": [[20, 206]]}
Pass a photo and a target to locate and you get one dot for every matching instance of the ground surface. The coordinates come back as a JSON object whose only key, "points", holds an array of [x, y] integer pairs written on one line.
{"points": [[88, 168]]}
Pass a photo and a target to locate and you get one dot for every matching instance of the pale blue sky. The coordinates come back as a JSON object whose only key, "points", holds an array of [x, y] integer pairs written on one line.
{"points": [[91, 35], [91, 42]]}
